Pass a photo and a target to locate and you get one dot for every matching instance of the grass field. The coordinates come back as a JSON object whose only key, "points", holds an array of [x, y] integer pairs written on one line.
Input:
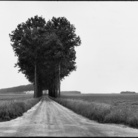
{"points": [[15, 96], [14, 105], [104, 108]]}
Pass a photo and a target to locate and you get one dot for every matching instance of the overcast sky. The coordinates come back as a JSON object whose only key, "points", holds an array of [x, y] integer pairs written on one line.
{"points": [[107, 60]]}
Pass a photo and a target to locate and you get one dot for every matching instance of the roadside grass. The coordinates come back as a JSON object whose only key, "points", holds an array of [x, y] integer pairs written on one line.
{"points": [[15, 106], [116, 109]]}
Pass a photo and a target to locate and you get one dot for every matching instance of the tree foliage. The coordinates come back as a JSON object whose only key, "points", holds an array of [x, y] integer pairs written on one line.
{"points": [[45, 51], [66, 34]]}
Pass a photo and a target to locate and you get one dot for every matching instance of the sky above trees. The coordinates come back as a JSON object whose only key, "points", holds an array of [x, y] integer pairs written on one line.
{"points": [[107, 60]]}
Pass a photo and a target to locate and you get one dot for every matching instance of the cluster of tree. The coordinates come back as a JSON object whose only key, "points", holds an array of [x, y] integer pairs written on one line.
{"points": [[45, 51], [18, 89]]}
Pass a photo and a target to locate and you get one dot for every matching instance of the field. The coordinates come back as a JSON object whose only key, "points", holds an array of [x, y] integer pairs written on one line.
{"points": [[104, 108], [14, 105], [12, 96]]}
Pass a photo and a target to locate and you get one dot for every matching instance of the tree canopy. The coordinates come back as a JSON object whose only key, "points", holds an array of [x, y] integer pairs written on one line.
{"points": [[46, 51]]}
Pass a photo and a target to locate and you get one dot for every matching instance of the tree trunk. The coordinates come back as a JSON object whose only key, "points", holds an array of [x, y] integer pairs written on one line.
{"points": [[39, 89], [39, 86], [57, 85], [54, 89], [51, 90], [37, 83], [56, 82], [59, 81], [49, 94]]}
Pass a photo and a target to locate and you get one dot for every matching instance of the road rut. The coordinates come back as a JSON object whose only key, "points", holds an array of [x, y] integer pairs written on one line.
{"points": [[48, 118]]}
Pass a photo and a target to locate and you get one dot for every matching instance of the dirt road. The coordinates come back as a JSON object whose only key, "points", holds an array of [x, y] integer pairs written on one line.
{"points": [[48, 118]]}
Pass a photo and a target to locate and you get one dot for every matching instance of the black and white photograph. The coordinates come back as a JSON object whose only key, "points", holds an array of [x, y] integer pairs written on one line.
{"points": [[68, 68]]}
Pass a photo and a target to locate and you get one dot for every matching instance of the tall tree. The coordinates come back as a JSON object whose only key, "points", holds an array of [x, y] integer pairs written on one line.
{"points": [[26, 42], [65, 55]]}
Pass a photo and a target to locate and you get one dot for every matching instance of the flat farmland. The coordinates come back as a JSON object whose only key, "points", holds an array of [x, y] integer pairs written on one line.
{"points": [[111, 99], [104, 108], [11, 96]]}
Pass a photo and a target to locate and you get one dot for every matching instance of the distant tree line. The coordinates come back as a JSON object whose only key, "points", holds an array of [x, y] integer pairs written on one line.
{"points": [[128, 92], [70, 92], [46, 52], [18, 89]]}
